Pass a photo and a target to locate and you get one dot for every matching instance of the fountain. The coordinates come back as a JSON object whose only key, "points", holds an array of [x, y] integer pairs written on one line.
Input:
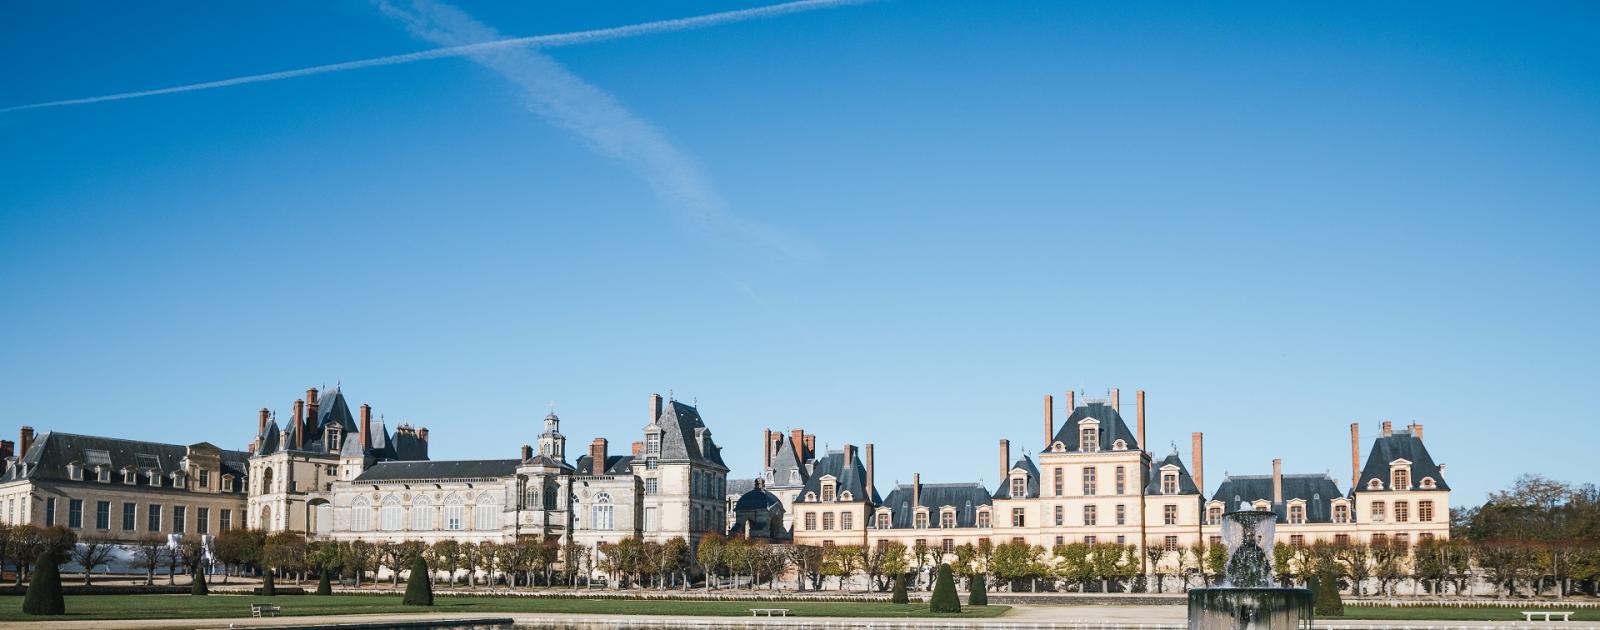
{"points": [[1249, 599]]}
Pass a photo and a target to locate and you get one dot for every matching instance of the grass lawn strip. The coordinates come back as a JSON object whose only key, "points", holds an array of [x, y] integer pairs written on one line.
{"points": [[1440, 613]]}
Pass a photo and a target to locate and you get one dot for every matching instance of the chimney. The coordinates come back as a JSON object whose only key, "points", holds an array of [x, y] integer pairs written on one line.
{"points": [[261, 424], [1049, 420], [311, 410], [1416, 430], [1198, 442], [527, 453], [638, 449], [870, 477], [1277, 482], [811, 445], [299, 421], [25, 441], [655, 408], [1388, 428], [916, 490], [1116, 402], [597, 456], [1005, 460], [766, 450], [7, 449], [797, 441], [1138, 401], [1355, 455], [366, 426], [422, 434], [1072, 403], [849, 456]]}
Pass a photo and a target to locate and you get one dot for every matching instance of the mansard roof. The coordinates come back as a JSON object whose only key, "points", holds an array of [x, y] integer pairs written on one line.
{"points": [[47, 459], [679, 424], [1185, 481], [1003, 491], [966, 498], [1317, 490], [615, 464], [849, 476], [1400, 445], [447, 469], [332, 410], [403, 445], [1112, 428]]}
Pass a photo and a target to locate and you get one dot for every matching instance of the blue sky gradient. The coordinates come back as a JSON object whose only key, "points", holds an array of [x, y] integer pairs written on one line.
{"points": [[1276, 220]]}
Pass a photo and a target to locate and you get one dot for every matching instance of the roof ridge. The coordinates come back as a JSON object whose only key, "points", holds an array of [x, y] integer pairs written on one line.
{"points": [[119, 439]]}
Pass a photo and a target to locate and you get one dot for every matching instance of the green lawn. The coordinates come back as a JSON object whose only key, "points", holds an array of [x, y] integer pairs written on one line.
{"points": [[1442, 613], [85, 607]]}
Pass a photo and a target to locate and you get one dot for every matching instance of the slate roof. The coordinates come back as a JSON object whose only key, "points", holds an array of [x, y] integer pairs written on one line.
{"points": [[738, 487], [680, 426], [1112, 428], [786, 462], [1185, 481], [756, 499], [1317, 490], [615, 464], [851, 477], [47, 459], [966, 498], [1026, 463], [448, 469], [1400, 445], [331, 410]]}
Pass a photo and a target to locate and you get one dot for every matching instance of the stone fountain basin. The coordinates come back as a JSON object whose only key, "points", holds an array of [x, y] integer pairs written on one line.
{"points": [[1227, 608]]}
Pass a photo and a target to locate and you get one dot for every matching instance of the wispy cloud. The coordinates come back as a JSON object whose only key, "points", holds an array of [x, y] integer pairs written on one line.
{"points": [[536, 41], [567, 101]]}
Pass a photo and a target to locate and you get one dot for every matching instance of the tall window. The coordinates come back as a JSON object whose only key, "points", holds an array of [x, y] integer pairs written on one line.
{"points": [[883, 522], [1019, 487], [1400, 479], [1170, 543], [983, 519], [390, 514], [179, 517], [811, 521], [652, 444], [50, 512], [1090, 481], [827, 491], [1341, 513], [421, 513], [1169, 514], [202, 523], [1214, 515], [1424, 511], [205, 478], [1169, 483], [947, 519], [1402, 511], [153, 517], [360, 515], [1091, 515], [1061, 515], [1059, 478], [130, 516], [75, 513], [847, 520], [1122, 514], [1122, 480], [601, 512], [1019, 517], [455, 515], [652, 486], [827, 521], [225, 520], [486, 514], [1088, 439], [102, 515], [947, 545], [1378, 512]]}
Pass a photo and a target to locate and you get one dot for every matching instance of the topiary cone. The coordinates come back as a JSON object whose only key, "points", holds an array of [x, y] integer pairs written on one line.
{"points": [[419, 589], [899, 596], [197, 585], [324, 583], [268, 588], [44, 591], [944, 599], [978, 594]]}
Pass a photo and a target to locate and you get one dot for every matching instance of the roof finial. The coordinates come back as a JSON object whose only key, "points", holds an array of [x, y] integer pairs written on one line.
{"points": [[669, 395]]}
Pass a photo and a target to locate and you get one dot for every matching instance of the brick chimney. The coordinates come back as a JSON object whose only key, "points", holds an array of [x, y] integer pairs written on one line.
{"points": [[7, 449], [597, 456], [1072, 404], [849, 457], [1355, 455], [811, 445], [1198, 443], [766, 450], [1416, 430], [311, 410], [916, 490], [1277, 482], [261, 423], [870, 472], [1005, 460], [1049, 420], [797, 441], [655, 408], [366, 426], [299, 421], [25, 440], [1388, 428], [1138, 401], [422, 434], [1116, 402], [527, 453]]}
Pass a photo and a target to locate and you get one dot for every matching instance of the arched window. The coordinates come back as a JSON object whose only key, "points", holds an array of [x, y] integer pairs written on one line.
{"points": [[421, 513], [390, 515], [325, 518], [551, 494], [454, 513], [266, 517], [486, 513], [360, 514], [1375, 484], [601, 512], [266, 480]]}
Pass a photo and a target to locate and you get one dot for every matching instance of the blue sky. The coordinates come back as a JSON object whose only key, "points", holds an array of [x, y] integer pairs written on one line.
{"points": [[897, 222]]}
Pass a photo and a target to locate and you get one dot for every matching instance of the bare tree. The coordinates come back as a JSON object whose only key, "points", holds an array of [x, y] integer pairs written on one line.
{"points": [[90, 553], [150, 553]]}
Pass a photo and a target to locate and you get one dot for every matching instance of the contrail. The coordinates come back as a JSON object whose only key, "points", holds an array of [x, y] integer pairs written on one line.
{"points": [[536, 41]]}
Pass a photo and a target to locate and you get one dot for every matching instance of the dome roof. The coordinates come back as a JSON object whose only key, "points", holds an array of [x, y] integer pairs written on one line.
{"points": [[757, 499]]}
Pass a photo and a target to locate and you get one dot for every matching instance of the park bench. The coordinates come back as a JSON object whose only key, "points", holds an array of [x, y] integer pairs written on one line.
{"points": [[781, 612], [264, 610], [1566, 615]]}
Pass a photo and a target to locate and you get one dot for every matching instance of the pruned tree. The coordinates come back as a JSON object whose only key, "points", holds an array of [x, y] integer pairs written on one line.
{"points": [[92, 552]]}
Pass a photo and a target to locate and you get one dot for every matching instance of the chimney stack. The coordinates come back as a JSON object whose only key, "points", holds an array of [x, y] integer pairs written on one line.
{"points": [[870, 471], [261, 424], [797, 441], [527, 453], [366, 426], [849, 456], [311, 410], [1005, 460], [1388, 428], [25, 441], [1277, 482], [916, 490], [1416, 430], [1116, 402], [1355, 455], [1138, 400], [655, 408], [597, 456], [811, 445], [1072, 404], [7, 449], [1049, 420], [1198, 442], [422, 434], [766, 450], [638, 449], [299, 421]]}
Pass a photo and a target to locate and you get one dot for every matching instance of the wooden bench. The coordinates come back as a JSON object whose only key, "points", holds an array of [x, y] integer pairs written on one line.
{"points": [[1566, 615], [781, 612], [264, 610]]}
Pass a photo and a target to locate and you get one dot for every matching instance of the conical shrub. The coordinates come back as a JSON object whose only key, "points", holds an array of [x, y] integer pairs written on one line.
{"points": [[899, 596], [1325, 594], [44, 590], [944, 599], [324, 583], [978, 594], [268, 587], [197, 585], [419, 589]]}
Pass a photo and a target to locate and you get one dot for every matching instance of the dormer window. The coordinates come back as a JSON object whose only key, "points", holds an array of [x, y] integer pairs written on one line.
{"points": [[129, 477], [1089, 438], [1263, 506], [652, 444], [794, 476], [1375, 484], [811, 497], [1297, 513], [1119, 445], [1019, 487], [1428, 483], [177, 480], [1341, 513], [846, 496], [827, 491], [102, 474], [75, 471], [883, 520], [1400, 478], [1169, 483], [334, 434], [1213, 514], [153, 478], [1057, 447], [947, 518], [205, 478], [920, 521], [227, 483], [984, 519]]}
